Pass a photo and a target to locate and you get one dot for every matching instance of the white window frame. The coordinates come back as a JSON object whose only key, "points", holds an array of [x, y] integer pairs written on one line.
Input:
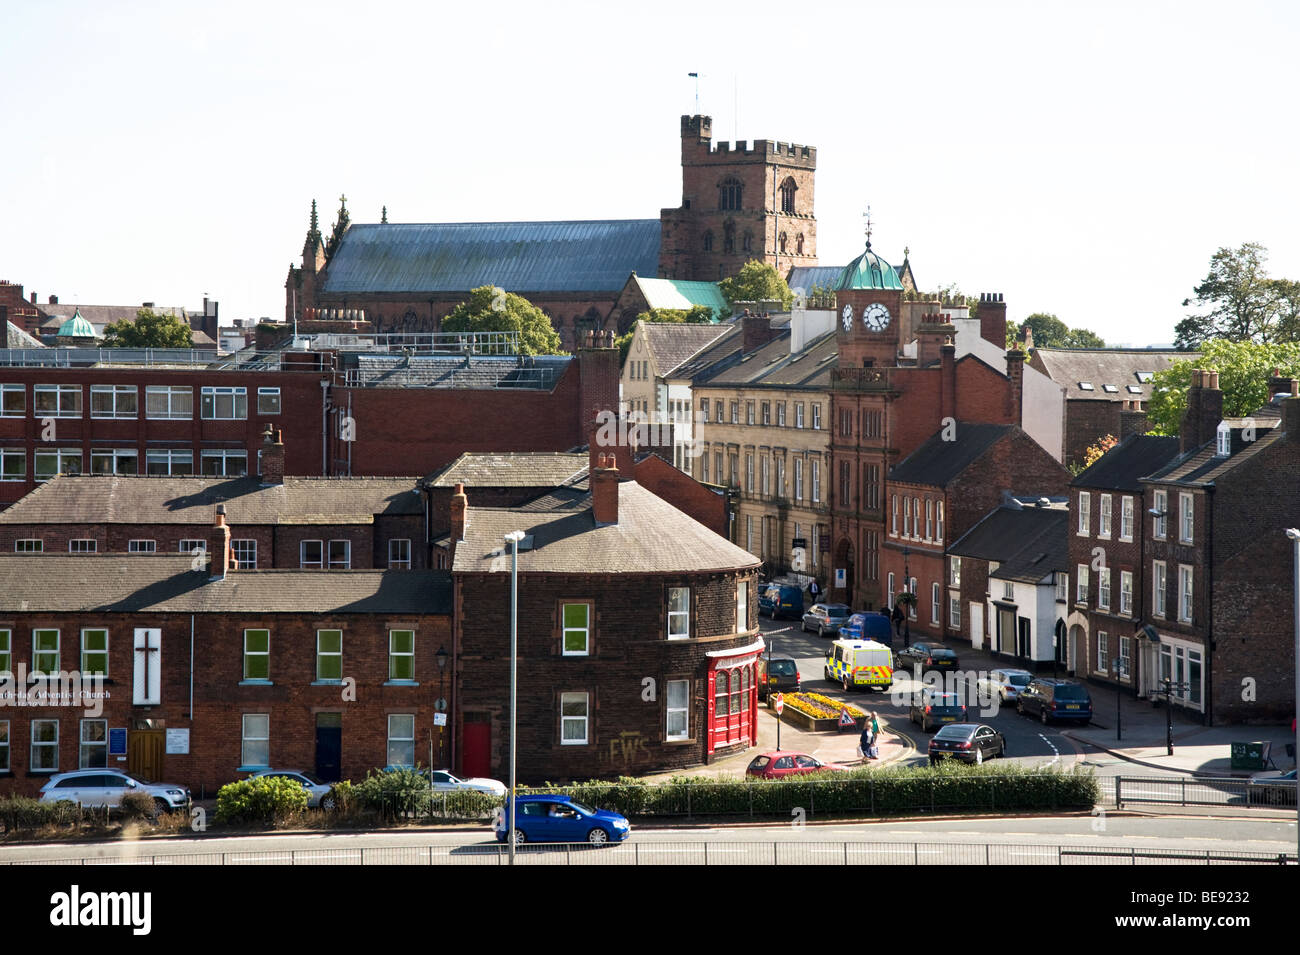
{"points": [[780, 414], [938, 522], [1126, 592], [398, 724], [5, 392], [929, 519], [1103, 516], [177, 396], [1160, 520], [303, 562], [85, 652], [1085, 513], [395, 560], [6, 650], [244, 550], [1126, 518], [1186, 592], [92, 753], [250, 655], [267, 393], [189, 545], [226, 457], [1103, 588], [1125, 656], [114, 456], [324, 654], [954, 609], [1159, 588], [210, 400], [118, 395], [39, 547], [889, 597], [65, 397], [1062, 587], [62, 458], [394, 655], [584, 630], [798, 479], [742, 606], [141, 545], [817, 416], [254, 741], [679, 621], [1223, 441], [893, 523], [954, 572], [13, 454], [44, 746], [1186, 518], [936, 603], [568, 720], [178, 461], [1081, 584], [682, 712], [5, 756], [83, 545], [1103, 651], [798, 414], [344, 563], [911, 589]]}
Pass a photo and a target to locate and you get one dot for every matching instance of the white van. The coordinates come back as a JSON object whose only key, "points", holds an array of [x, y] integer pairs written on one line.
{"points": [[860, 663]]}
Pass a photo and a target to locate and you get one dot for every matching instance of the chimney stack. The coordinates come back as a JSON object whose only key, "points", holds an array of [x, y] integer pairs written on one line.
{"points": [[272, 457], [1279, 385], [1015, 382], [1132, 419], [1204, 411], [220, 557], [459, 515], [54, 300], [604, 491], [755, 332], [948, 379], [33, 298], [992, 313]]}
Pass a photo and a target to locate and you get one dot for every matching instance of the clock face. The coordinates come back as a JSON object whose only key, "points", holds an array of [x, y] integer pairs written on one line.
{"points": [[848, 317], [875, 317]]}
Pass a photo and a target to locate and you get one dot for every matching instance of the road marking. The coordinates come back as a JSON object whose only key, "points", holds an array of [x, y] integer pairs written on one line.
{"points": [[1055, 758]]}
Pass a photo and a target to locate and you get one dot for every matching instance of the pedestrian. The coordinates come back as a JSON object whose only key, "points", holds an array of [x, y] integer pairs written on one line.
{"points": [[873, 751], [814, 591], [866, 741], [897, 618]]}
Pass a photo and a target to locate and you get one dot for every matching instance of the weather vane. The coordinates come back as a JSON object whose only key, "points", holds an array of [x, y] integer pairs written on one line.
{"points": [[867, 216]]}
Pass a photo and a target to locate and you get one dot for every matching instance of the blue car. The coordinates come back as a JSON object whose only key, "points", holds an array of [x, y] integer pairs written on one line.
{"points": [[781, 600], [868, 626], [562, 819]]}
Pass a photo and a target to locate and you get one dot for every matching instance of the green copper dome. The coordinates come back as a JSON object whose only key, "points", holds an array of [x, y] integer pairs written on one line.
{"points": [[868, 270], [77, 327]]}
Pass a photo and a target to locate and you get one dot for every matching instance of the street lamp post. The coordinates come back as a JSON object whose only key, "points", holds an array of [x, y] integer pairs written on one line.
{"points": [[1170, 686], [907, 588], [441, 705], [512, 540], [1294, 535], [1117, 670]]}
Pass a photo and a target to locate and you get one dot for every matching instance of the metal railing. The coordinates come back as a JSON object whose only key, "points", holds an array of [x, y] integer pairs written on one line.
{"points": [[1200, 791], [634, 852]]}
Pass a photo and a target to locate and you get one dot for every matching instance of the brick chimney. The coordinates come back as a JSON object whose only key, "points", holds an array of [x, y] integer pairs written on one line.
{"points": [[930, 335], [992, 313], [272, 457], [756, 331], [1204, 411], [1132, 419], [33, 298], [1015, 380], [1278, 385], [948, 379], [604, 490], [1291, 416], [54, 300], [615, 436], [459, 515], [219, 553]]}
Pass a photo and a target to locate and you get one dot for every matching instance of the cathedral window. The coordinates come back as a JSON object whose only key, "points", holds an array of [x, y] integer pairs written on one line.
{"points": [[708, 242], [787, 196], [798, 244], [729, 194], [781, 242]]}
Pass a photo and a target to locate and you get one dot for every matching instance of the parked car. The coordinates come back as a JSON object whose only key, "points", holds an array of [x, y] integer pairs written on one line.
{"points": [[1055, 699], [869, 625], [443, 781], [825, 618], [931, 708], [969, 742], [1272, 788], [1004, 684], [930, 656], [106, 787], [318, 791], [859, 663], [778, 675], [780, 763], [561, 819], [781, 600]]}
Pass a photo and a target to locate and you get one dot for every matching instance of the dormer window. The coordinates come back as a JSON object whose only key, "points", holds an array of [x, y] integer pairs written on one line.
{"points": [[1224, 436]]}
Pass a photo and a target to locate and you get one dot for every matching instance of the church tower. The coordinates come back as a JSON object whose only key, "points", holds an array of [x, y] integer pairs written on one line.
{"points": [[739, 202], [301, 285]]}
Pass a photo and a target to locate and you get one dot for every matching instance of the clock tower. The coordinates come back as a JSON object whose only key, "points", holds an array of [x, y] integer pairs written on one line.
{"points": [[869, 296]]}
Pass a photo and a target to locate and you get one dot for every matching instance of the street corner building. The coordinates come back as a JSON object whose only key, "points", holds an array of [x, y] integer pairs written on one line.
{"points": [[186, 669], [637, 635]]}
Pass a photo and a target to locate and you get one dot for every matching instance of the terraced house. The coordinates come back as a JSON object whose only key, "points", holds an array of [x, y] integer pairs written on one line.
{"points": [[762, 429]]}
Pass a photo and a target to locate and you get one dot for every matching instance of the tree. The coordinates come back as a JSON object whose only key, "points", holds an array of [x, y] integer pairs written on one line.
{"points": [[1050, 332], [1244, 369], [149, 330], [1096, 450], [1082, 338], [1244, 303], [1013, 335], [695, 315], [756, 282], [493, 310], [624, 343]]}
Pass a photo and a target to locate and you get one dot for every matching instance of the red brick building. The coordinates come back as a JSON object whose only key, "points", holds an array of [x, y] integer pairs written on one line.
{"points": [[637, 637], [207, 676]]}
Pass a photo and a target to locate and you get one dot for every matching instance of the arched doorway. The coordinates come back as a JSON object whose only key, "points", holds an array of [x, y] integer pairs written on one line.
{"points": [[1059, 642], [845, 565], [1077, 650]]}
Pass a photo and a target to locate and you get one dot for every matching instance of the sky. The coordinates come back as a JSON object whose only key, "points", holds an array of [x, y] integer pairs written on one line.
{"points": [[1083, 159]]}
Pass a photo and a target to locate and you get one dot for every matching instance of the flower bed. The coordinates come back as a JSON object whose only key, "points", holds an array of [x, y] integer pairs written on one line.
{"points": [[820, 714]]}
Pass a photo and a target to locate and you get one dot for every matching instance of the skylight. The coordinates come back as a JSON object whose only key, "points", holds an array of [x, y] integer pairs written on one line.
{"points": [[1110, 389], [1086, 386], [1135, 389], [1145, 376]]}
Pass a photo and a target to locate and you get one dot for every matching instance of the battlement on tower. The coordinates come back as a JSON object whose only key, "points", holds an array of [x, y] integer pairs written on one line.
{"points": [[699, 149]]}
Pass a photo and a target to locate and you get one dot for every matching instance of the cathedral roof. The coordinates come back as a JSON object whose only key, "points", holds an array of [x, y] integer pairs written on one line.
{"points": [[868, 270], [588, 256]]}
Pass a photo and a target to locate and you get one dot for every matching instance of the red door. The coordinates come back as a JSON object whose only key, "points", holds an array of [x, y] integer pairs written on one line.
{"points": [[476, 749]]}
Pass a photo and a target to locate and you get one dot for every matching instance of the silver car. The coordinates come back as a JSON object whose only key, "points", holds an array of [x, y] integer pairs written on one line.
{"points": [[826, 618], [106, 787], [318, 791], [444, 781], [1004, 684]]}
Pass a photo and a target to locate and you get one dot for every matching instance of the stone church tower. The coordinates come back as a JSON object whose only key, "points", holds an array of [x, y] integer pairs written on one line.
{"points": [[739, 202]]}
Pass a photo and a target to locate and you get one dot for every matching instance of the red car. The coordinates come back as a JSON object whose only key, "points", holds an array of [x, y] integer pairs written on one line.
{"points": [[781, 763]]}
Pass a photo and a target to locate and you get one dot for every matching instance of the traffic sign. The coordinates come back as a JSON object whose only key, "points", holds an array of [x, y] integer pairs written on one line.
{"points": [[778, 703]]}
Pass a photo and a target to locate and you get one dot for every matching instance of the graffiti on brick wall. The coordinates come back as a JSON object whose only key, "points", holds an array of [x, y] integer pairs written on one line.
{"points": [[626, 748]]}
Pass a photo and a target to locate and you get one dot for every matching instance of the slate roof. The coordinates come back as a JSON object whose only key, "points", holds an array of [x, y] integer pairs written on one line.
{"points": [[682, 294], [651, 537], [1122, 467], [15, 337], [521, 469], [1044, 548], [1001, 532], [116, 583], [808, 277], [105, 499], [102, 315], [937, 462], [772, 366], [480, 372], [1202, 466], [1118, 367], [592, 256], [723, 350], [672, 344]]}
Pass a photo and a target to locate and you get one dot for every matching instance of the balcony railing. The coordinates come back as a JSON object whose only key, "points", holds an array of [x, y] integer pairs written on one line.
{"points": [[857, 379]]}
